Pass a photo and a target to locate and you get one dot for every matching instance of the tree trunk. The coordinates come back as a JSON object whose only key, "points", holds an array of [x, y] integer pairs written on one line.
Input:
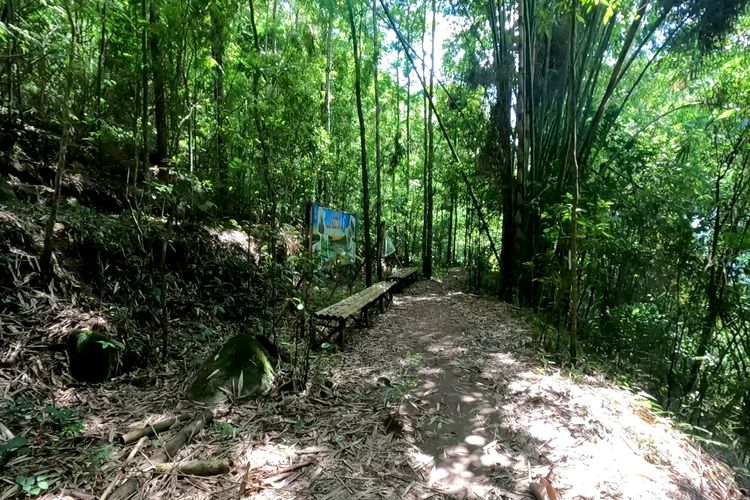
{"points": [[323, 181], [273, 25], [265, 165], [212, 467], [522, 156], [425, 147], [449, 251], [467, 224], [378, 160], [431, 156], [363, 147], [455, 227], [49, 229], [160, 111], [499, 141], [407, 176], [100, 64], [253, 26], [713, 294], [217, 52], [397, 139], [9, 19], [144, 96], [573, 165], [164, 310]]}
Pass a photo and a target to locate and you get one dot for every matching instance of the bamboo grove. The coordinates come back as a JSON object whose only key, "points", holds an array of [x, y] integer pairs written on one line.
{"points": [[586, 159]]}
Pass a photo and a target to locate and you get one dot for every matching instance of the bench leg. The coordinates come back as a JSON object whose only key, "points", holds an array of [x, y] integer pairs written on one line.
{"points": [[341, 327], [380, 305]]}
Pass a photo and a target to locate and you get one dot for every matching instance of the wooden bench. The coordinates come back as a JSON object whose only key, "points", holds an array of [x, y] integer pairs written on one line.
{"points": [[404, 276], [359, 303]]}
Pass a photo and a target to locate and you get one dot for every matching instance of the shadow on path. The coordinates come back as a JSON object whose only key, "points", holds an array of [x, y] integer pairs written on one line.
{"points": [[485, 418], [455, 409]]}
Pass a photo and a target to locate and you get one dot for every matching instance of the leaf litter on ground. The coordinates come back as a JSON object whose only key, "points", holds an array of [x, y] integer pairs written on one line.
{"points": [[467, 410]]}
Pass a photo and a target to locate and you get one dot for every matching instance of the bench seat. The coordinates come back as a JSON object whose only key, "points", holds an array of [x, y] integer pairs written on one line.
{"points": [[404, 276], [359, 303]]}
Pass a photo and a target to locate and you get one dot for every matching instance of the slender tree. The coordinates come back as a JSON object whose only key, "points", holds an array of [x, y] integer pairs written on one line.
{"points": [[573, 166], [144, 95], [429, 190], [49, 229], [407, 177], [323, 181], [99, 71], [8, 17], [363, 145], [378, 160], [426, 271], [160, 110], [217, 53]]}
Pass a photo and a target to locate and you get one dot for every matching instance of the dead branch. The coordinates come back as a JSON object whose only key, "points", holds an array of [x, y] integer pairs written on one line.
{"points": [[181, 438], [152, 429], [196, 467], [130, 487]]}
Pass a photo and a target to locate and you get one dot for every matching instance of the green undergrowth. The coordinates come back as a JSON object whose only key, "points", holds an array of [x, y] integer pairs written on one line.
{"points": [[108, 268]]}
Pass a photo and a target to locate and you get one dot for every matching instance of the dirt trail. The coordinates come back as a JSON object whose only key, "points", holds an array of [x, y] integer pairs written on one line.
{"points": [[484, 415], [440, 398]]}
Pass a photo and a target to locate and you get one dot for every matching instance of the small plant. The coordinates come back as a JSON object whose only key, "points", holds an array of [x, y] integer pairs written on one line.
{"points": [[108, 344], [34, 485], [327, 346], [11, 446], [100, 456], [576, 375], [72, 430], [394, 392], [17, 409], [63, 419], [415, 358], [438, 421], [226, 429], [57, 415], [206, 331]]}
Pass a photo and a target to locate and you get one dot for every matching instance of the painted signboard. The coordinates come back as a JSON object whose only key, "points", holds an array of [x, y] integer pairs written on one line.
{"points": [[333, 234]]}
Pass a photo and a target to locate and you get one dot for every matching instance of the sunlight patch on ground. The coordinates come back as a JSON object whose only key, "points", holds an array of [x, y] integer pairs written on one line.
{"points": [[597, 440], [470, 399], [446, 349], [238, 239], [66, 397], [406, 299], [459, 469], [605, 430], [430, 371]]}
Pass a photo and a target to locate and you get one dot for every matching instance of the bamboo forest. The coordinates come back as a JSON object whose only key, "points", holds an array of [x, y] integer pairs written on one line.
{"points": [[360, 249]]}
